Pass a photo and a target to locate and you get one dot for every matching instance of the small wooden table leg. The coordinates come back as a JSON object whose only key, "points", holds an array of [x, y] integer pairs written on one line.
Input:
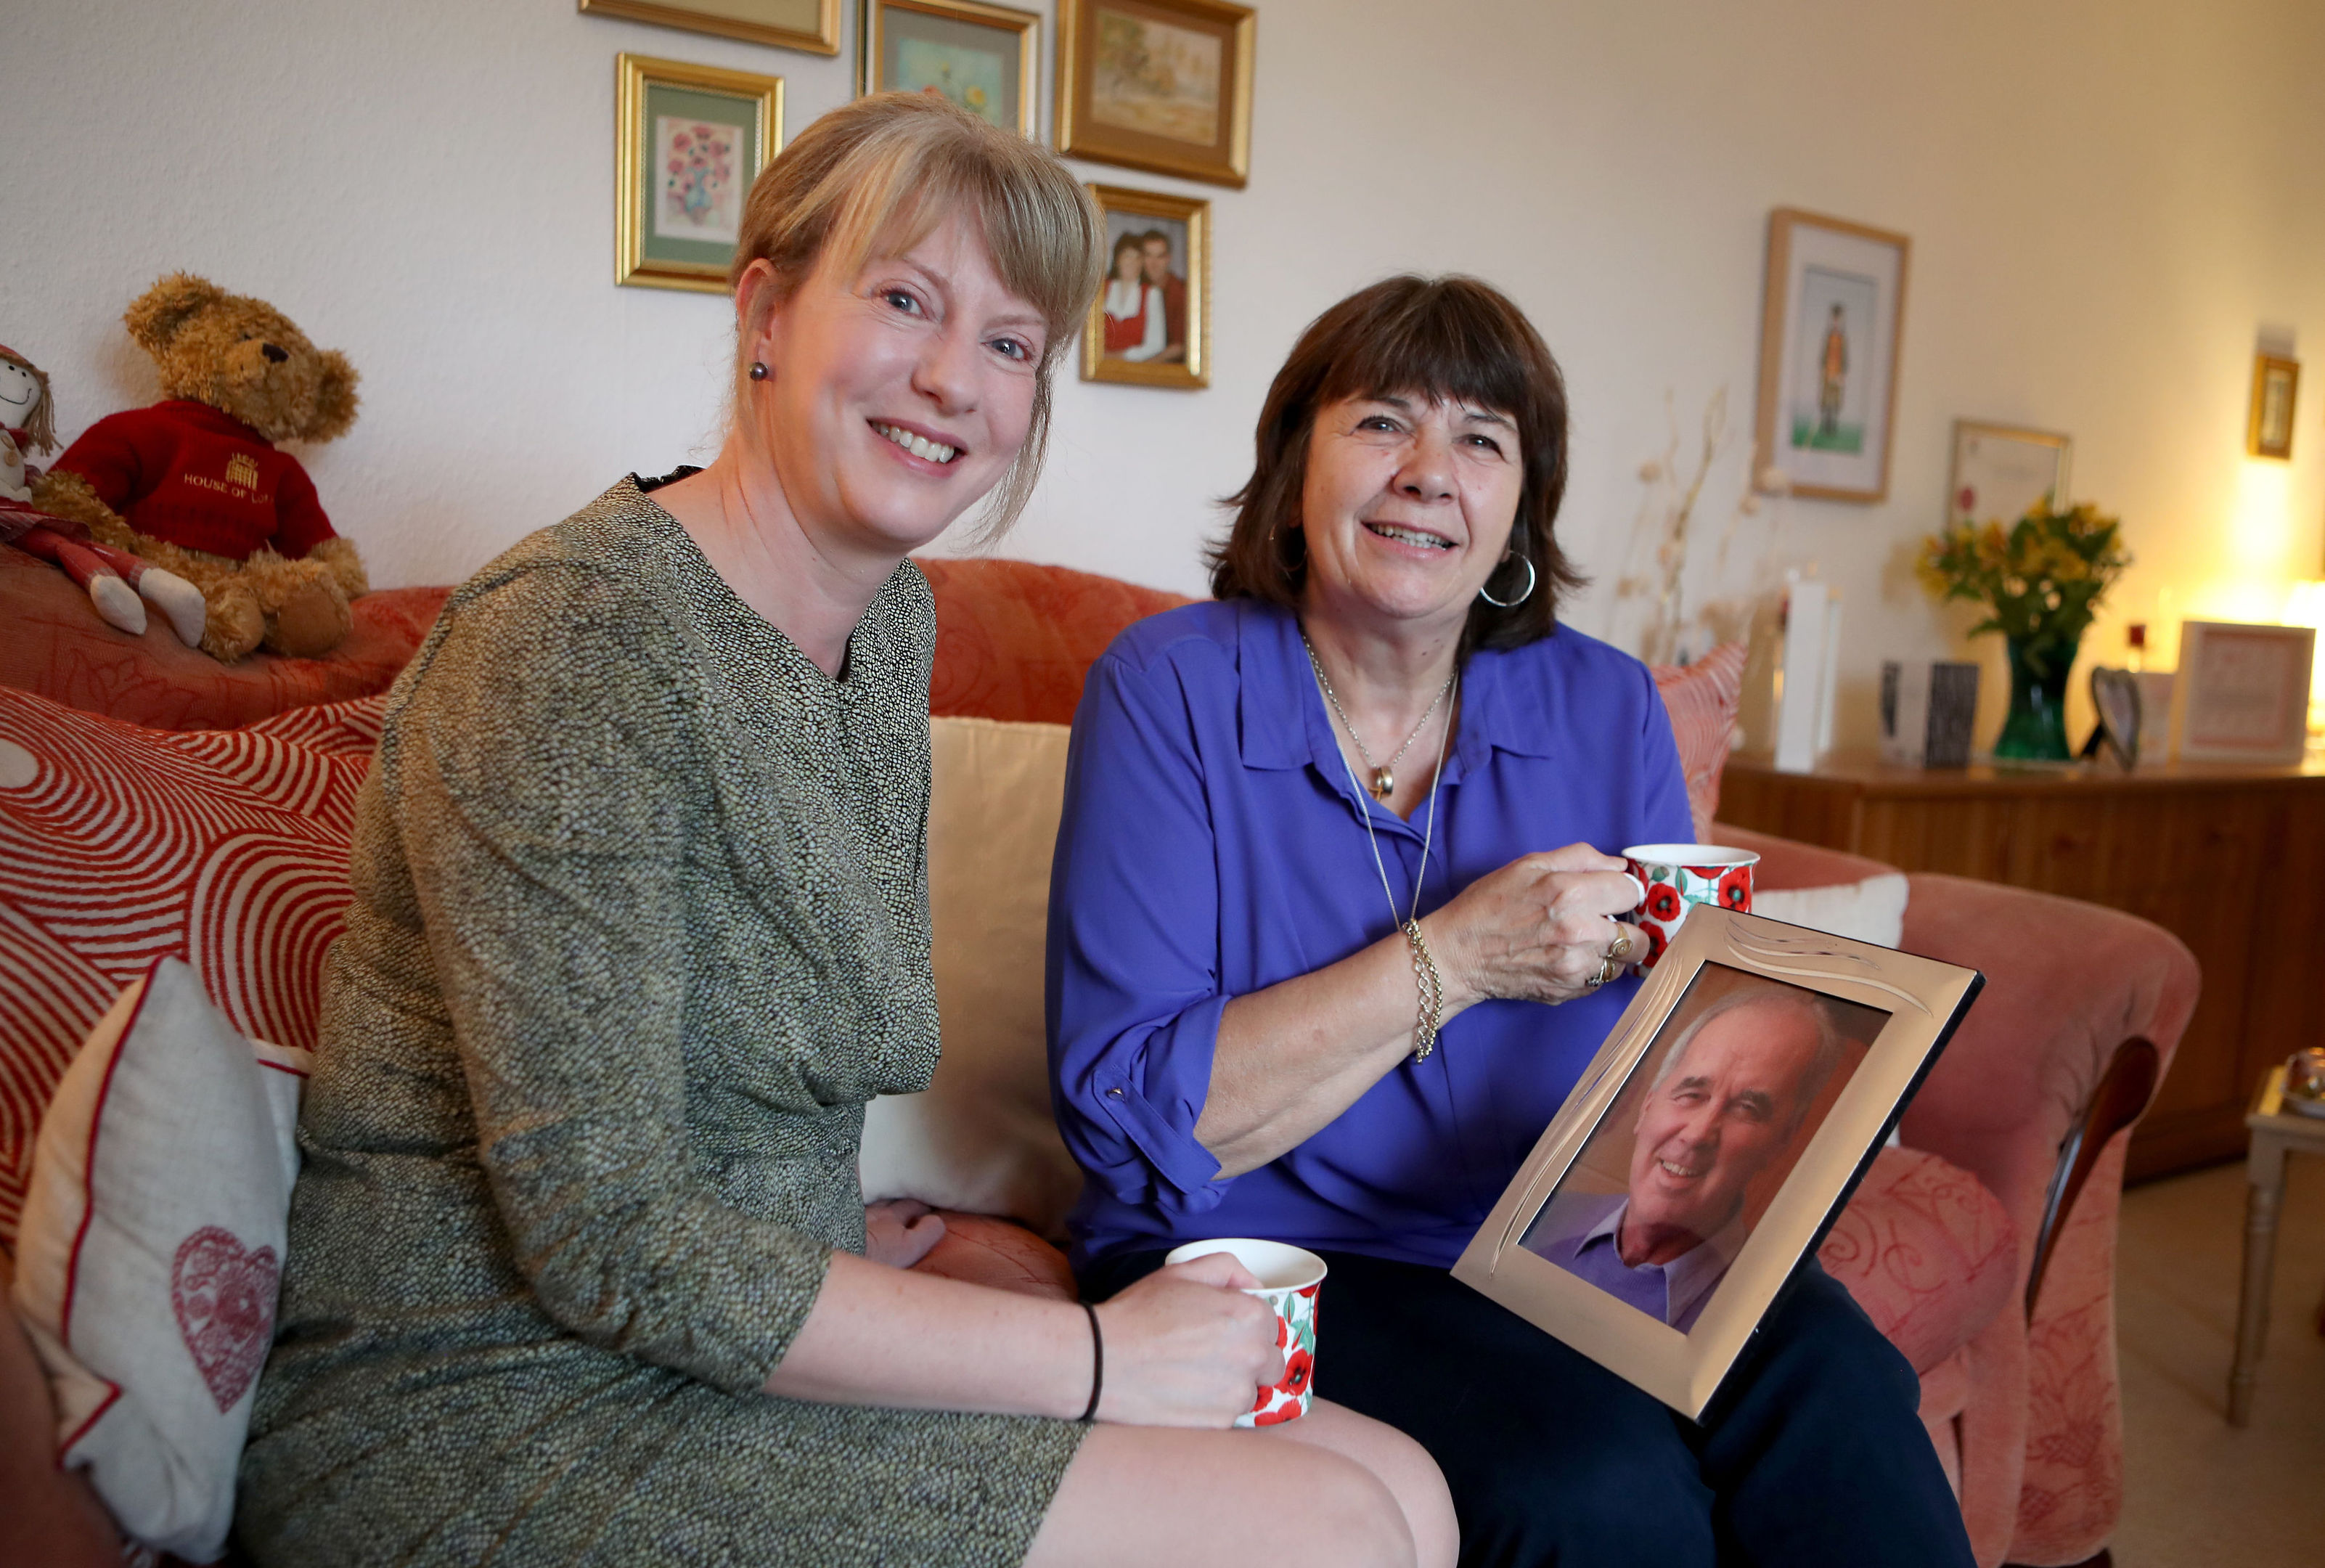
{"points": [[2265, 1170]]}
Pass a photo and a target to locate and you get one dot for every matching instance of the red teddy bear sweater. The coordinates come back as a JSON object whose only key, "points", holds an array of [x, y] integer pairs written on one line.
{"points": [[186, 474]]}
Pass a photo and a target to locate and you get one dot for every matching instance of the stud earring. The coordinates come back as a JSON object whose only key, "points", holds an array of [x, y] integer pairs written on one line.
{"points": [[758, 371]]}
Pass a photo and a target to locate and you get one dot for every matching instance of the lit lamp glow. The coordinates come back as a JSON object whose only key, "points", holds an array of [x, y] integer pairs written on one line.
{"points": [[2305, 607]]}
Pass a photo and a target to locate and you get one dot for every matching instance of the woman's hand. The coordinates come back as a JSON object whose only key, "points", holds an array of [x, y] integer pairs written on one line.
{"points": [[900, 1232], [1537, 930], [1185, 1346]]}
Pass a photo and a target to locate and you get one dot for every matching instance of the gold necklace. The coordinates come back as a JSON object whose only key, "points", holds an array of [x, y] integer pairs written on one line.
{"points": [[1383, 779]]}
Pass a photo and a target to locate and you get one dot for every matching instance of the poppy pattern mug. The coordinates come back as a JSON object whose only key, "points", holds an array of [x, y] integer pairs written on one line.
{"points": [[1677, 877], [1289, 1279]]}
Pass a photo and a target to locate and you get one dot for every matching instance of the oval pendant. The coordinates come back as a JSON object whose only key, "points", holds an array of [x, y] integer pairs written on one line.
{"points": [[1384, 782]]}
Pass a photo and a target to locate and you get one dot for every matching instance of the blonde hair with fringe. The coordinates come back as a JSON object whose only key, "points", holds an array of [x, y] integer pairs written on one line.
{"points": [[875, 176]]}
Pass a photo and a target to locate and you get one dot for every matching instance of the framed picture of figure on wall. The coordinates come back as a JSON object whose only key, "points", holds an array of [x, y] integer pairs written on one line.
{"points": [[1150, 324], [1707, 1148], [1832, 325]]}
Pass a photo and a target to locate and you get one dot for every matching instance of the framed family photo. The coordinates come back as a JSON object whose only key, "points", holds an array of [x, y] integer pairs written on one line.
{"points": [[809, 25], [985, 57], [1162, 85], [1831, 328], [1999, 471], [1150, 324], [688, 141], [1708, 1146]]}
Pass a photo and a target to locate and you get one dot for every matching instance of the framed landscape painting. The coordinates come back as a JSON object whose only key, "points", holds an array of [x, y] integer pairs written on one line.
{"points": [[1150, 324], [1162, 85], [811, 25], [1831, 328], [983, 58], [690, 140]]}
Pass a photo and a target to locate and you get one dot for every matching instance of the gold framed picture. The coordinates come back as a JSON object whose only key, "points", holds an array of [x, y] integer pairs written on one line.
{"points": [[2268, 428], [1808, 1047], [1831, 324], [1162, 85], [1150, 324], [687, 141], [988, 59], [811, 26]]}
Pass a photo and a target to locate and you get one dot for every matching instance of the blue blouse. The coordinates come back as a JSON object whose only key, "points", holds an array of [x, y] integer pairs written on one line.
{"points": [[1212, 845]]}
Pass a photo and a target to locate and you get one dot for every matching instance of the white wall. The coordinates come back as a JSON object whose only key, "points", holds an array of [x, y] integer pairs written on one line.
{"points": [[2108, 198]]}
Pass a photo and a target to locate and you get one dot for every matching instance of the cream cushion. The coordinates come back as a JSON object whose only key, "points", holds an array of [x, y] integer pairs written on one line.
{"points": [[1872, 910], [981, 1138], [150, 1252]]}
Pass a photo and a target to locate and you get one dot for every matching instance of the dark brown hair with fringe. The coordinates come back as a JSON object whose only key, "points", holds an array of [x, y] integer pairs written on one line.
{"points": [[1451, 339]]}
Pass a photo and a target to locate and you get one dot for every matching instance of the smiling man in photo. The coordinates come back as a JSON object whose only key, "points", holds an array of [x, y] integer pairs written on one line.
{"points": [[1727, 1100]]}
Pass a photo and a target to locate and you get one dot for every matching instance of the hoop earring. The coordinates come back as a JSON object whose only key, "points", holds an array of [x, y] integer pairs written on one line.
{"points": [[758, 371], [1512, 603]]}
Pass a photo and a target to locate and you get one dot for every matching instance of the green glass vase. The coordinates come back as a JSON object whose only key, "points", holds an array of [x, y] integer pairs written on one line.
{"points": [[2036, 726]]}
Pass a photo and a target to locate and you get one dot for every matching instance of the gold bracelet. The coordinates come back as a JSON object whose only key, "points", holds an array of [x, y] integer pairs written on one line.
{"points": [[1432, 992]]}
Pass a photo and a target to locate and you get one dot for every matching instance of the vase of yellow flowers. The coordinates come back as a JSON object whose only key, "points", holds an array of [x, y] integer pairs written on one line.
{"points": [[2040, 581]]}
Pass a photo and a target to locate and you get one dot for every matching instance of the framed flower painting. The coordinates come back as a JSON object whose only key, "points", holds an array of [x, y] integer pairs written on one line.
{"points": [[983, 58], [690, 140]]}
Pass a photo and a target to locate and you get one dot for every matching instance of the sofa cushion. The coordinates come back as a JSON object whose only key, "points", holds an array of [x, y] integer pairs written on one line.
{"points": [[56, 648], [150, 1251], [1015, 639], [120, 845], [1926, 1251]]}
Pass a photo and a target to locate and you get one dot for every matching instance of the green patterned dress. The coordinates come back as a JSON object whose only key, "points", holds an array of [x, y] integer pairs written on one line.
{"points": [[640, 922]]}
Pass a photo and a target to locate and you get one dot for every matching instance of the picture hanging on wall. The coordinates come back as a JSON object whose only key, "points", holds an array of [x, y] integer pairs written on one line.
{"points": [[1999, 472], [1831, 328], [2268, 430], [809, 25], [1163, 84], [1152, 322], [985, 57], [690, 140]]}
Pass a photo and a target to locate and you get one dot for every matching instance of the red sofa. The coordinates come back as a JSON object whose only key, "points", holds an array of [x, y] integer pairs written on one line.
{"points": [[1947, 1244]]}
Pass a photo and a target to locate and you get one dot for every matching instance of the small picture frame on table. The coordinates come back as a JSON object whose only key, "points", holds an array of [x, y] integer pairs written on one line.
{"points": [[2241, 693], [1662, 1278], [2268, 426], [810, 26], [1151, 323], [1160, 85], [988, 59], [1999, 471], [1831, 324], [689, 141]]}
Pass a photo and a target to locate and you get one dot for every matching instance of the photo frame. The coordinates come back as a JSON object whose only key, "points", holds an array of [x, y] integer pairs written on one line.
{"points": [[2268, 425], [810, 26], [1152, 328], [2241, 693], [688, 140], [988, 59], [1823, 1039], [2116, 699], [1159, 85], [1998, 471], [1831, 328]]}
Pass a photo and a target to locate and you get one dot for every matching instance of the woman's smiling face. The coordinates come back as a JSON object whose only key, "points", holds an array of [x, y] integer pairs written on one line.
{"points": [[1407, 504], [897, 399]]}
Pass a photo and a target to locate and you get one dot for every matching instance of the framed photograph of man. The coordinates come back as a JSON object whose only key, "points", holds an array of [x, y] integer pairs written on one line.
{"points": [[688, 141], [1831, 328], [1710, 1146], [1163, 84], [983, 58], [1150, 324]]}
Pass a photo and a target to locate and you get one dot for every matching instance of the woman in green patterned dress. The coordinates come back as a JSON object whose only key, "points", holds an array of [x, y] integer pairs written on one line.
{"points": [[579, 1268]]}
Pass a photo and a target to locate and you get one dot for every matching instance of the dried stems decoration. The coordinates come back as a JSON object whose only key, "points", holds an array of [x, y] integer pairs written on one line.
{"points": [[1660, 642]]}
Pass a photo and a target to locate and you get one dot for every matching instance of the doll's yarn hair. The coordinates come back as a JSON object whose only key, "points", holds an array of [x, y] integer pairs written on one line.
{"points": [[875, 176], [41, 419]]}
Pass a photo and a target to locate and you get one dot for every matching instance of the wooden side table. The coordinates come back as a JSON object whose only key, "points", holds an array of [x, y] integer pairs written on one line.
{"points": [[2276, 1132]]}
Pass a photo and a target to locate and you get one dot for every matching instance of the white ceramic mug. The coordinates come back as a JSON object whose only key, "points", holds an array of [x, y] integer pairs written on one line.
{"points": [[1289, 1278]]}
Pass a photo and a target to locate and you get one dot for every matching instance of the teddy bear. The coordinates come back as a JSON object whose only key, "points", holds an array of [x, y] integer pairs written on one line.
{"points": [[195, 484]]}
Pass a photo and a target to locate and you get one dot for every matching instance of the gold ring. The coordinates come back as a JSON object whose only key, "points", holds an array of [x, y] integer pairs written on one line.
{"points": [[1620, 948], [1606, 972]]}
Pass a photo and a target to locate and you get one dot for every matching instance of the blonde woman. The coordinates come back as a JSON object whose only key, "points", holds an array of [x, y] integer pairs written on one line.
{"points": [[579, 1269]]}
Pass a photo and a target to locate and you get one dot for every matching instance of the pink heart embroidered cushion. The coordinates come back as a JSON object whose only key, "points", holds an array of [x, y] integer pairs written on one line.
{"points": [[151, 1249]]}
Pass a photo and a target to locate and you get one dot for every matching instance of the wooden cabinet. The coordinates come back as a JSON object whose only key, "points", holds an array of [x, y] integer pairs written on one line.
{"points": [[2231, 860]]}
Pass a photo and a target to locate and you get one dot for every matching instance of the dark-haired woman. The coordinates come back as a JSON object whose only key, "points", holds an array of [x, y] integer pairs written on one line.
{"points": [[1333, 933]]}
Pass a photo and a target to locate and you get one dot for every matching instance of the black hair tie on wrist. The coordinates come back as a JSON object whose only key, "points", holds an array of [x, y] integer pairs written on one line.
{"points": [[1097, 1364]]}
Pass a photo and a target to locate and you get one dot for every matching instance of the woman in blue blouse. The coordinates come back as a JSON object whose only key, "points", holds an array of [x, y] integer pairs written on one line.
{"points": [[1333, 932]]}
